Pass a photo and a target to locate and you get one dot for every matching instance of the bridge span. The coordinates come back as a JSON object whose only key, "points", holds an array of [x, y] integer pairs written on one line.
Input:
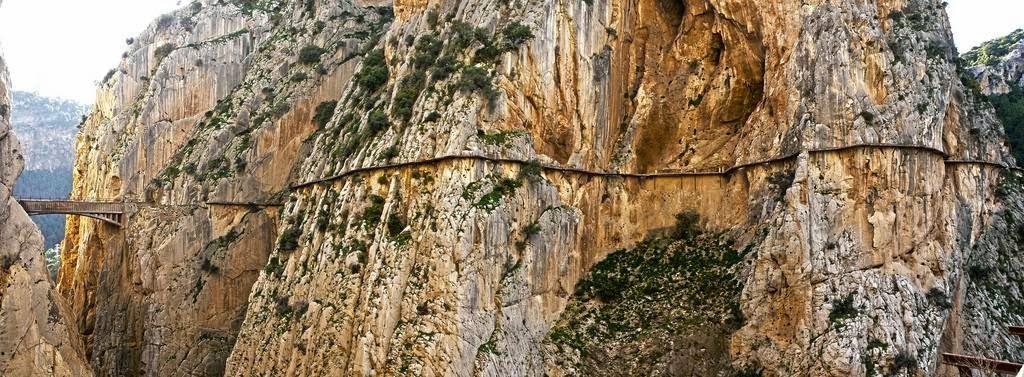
{"points": [[106, 211]]}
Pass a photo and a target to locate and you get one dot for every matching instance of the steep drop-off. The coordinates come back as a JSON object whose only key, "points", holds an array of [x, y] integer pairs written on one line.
{"points": [[47, 127], [322, 189], [36, 338]]}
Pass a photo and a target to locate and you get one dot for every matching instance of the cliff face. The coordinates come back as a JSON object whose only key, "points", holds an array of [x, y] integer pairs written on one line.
{"points": [[48, 128], [35, 336], [999, 64], [467, 189], [204, 115], [858, 233]]}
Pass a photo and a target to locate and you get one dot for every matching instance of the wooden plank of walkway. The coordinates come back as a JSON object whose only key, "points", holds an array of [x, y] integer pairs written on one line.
{"points": [[1017, 331], [965, 363]]}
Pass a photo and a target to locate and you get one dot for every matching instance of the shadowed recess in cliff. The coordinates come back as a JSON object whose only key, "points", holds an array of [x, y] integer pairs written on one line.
{"points": [[667, 305], [701, 75]]}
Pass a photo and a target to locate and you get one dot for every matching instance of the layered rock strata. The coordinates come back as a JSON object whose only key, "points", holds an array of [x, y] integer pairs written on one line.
{"points": [[831, 140]]}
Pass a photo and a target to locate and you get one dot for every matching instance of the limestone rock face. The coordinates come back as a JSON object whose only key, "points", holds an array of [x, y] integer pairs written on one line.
{"points": [[859, 228], [347, 187], [1005, 72], [36, 337], [204, 116]]}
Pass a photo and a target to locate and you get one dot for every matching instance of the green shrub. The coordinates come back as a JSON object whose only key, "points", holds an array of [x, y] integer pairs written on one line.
{"points": [[280, 109], [843, 309], [444, 68], [427, 50], [374, 73], [462, 35], [310, 54], [687, 225], [377, 121], [531, 171], [372, 214], [487, 54], [289, 240], [502, 188], [299, 77], [164, 21], [476, 79], [324, 112], [390, 153], [110, 74], [432, 16], [408, 93], [532, 229], [516, 34], [273, 266], [396, 225], [163, 51]]}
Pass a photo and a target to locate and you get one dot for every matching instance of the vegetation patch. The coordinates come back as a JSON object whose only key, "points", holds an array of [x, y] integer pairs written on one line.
{"points": [[408, 93], [502, 188], [372, 214], [289, 240], [843, 309], [163, 51], [476, 80], [501, 139], [374, 73], [324, 112], [311, 54], [668, 301], [991, 52], [1010, 110]]}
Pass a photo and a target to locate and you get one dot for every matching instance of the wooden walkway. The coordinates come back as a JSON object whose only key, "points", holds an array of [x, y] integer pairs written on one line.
{"points": [[720, 172], [965, 365]]}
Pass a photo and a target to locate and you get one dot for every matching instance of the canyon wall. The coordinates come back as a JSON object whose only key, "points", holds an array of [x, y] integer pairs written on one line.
{"points": [[439, 188], [197, 129], [36, 337]]}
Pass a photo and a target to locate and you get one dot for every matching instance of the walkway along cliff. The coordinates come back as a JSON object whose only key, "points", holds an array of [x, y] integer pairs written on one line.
{"points": [[485, 187]]}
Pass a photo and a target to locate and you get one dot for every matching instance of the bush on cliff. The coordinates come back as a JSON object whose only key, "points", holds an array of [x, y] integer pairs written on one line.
{"points": [[672, 299], [310, 54]]}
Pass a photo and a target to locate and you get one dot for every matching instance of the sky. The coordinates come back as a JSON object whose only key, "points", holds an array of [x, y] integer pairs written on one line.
{"points": [[976, 21], [64, 53], [60, 48]]}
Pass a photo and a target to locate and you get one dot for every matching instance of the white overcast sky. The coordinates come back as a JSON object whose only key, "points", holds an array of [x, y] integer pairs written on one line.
{"points": [[60, 48]]}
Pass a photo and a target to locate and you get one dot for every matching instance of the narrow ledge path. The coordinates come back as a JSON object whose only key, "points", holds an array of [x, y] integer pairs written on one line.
{"points": [[721, 172]]}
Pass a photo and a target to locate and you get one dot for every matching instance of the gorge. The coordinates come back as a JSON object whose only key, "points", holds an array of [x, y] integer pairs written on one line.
{"points": [[530, 188]]}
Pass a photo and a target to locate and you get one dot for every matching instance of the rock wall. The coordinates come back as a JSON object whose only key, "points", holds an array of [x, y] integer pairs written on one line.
{"points": [[203, 117], [857, 254], [36, 337], [998, 65], [833, 140]]}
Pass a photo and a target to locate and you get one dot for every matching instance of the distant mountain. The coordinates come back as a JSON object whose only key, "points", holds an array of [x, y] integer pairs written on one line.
{"points": [[46, 128], [998, 66]]}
